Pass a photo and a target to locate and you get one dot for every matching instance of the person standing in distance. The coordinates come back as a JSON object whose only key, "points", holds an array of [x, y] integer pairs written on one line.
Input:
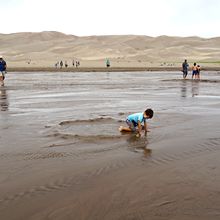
{"points": [[3, 67], [185, 67]]}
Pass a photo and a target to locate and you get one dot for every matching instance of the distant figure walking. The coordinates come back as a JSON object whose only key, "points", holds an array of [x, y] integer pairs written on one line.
{"points": [[66, 65], [107, 63], [185, 67], [73, 63], [3, 67], [56, 64], [61, 64], [77, 63]]}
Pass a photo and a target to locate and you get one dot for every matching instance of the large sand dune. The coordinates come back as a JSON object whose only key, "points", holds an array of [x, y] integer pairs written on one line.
{"points": [[46, 48]]}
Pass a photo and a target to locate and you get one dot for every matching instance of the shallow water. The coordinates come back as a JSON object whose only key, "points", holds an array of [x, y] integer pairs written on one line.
{"points": [[62, 156]]}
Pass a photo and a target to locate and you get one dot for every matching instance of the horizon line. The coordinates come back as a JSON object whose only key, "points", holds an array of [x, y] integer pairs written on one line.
{"points": [[100, 35]]}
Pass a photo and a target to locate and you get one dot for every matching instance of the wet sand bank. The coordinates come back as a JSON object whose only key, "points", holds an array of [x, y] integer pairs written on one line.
{"points": [[62, 157], [105, 69]]}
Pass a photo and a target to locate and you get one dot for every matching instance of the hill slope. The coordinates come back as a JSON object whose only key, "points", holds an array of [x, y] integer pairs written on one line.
{"points": [[45, 48]]}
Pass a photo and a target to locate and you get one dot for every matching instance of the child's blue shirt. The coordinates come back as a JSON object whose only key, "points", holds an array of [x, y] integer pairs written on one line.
{"points": [[136, 117]]}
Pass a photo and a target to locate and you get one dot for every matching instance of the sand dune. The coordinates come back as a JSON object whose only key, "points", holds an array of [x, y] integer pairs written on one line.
{"points": [[45, 48]]}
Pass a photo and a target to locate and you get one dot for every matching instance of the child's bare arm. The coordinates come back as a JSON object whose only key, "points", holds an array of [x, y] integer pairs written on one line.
{"points": [[145, 126], [139, 127]]}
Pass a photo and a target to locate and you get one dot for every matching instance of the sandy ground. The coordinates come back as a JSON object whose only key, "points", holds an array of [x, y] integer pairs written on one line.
{"points": [[94, 68], [35, 49], [62, 156]]}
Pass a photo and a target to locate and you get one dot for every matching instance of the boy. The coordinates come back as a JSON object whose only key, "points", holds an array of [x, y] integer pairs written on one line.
{"points": [[194, 70], [135, 120], [198, 71]]}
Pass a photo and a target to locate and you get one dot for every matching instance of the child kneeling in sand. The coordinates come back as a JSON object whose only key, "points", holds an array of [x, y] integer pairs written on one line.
{"points": [[135, 120]]}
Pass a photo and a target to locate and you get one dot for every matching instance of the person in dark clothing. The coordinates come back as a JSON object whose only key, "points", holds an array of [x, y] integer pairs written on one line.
{"points": [[66, 65], [185, 67], [3, 67], [61, 64]]}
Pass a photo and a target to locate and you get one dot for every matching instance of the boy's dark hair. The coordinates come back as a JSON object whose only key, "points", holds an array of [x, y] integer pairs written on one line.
{"points": [[149, 112]]}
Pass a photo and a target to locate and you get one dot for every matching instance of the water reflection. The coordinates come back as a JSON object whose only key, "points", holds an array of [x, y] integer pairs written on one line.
{"points": [[139, 144], [107, 75], [195, 88], [3, 98], [183, 89]]}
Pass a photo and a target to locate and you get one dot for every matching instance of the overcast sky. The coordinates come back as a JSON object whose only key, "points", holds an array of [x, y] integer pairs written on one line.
{"points": [[113, 17]]}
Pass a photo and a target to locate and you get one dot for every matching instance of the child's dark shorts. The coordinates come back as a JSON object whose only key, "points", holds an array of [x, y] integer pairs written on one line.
{"points": [[131, 125], [194, 72]]}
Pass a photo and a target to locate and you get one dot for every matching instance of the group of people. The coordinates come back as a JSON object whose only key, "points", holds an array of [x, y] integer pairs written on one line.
{"points": [[65, 64], [3, 71], [195, 70], [134, 120]]}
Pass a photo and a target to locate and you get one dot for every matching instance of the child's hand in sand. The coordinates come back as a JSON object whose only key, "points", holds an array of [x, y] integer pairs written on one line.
{"points": [[138, 135], [145, 133]]}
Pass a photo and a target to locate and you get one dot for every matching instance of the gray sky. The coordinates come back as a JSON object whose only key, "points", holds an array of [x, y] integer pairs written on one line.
{"points": [[113, 17]]}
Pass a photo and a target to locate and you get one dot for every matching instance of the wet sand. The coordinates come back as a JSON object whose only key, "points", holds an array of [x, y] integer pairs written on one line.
{"points": [[62, 156], [114, 68]]}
